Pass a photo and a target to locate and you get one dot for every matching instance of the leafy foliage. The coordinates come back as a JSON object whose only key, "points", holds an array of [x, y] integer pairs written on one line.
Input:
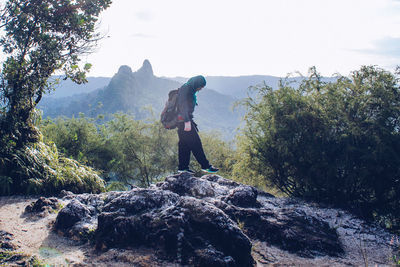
{"points": [[5, 185], [39, 38], [128, 151], [144, 152], [124, 149], [331, 142], [79, 138], [244, 167]]}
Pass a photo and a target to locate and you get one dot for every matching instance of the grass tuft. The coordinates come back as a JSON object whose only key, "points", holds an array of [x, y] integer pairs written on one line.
{"points": [[40, 169]]}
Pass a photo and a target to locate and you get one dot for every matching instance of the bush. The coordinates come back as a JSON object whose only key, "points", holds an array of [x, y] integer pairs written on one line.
{"points": [[78, 138], [219, 153], [333, 142]]}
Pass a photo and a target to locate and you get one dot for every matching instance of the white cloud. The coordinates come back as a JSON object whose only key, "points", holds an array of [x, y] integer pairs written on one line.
{"points": [[143, 15], [141, 35]]}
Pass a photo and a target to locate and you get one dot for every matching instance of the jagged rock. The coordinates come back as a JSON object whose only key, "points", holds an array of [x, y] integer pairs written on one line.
{"points": [[79, 217], [6, 241], [69, 216], [43, 205], [66, 194], [243, 196], [191, 186], [287, 229], [212, 258], [207, 221]]}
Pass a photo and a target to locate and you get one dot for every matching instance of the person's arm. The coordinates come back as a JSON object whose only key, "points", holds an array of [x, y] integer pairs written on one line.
{"points": [[184, 95]]}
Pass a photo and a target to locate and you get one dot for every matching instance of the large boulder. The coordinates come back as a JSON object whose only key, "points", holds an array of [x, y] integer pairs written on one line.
{"points": [[207, 221], [78, 219], [290, 229], [185, 228]]}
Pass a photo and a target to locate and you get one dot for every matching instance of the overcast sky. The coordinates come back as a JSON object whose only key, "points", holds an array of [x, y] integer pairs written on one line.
{"points": [[243, 37]]}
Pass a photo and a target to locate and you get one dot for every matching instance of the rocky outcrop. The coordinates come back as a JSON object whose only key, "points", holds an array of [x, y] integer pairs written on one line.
{"points": [[43, 205], [289, 229], [207, 221]]}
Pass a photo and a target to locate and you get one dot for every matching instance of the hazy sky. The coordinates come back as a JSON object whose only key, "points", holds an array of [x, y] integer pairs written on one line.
{"points": [[242, 37]]}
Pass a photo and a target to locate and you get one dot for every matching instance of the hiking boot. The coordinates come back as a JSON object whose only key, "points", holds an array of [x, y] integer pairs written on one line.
{"points": [[187, 170], [210, 169]]}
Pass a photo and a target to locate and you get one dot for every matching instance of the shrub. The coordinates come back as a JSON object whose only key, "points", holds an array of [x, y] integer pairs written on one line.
{"points": [[5, 185], [219, 153], [332, 142]]}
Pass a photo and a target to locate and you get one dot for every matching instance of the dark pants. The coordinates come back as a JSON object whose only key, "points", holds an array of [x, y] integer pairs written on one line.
{"points": [[190, 142]]}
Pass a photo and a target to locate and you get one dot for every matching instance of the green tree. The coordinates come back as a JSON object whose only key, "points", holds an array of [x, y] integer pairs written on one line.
{"points": [[40, 37], [333, 142], [144, 152]]}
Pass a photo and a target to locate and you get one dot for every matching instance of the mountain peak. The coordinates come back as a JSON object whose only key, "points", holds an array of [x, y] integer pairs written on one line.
{"points": [[124, 70], [146, 69]]}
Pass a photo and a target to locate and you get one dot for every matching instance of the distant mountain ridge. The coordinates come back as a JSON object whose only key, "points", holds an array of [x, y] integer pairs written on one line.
{"points": [[236, 86], [126, 91], [130, 92], [232, 86]]}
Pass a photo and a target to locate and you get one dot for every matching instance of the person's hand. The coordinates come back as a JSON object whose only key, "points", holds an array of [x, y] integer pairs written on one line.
{"points": [[188, 126]]}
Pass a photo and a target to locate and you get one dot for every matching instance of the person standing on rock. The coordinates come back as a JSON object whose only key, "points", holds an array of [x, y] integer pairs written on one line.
{"points": [[189, 139]]}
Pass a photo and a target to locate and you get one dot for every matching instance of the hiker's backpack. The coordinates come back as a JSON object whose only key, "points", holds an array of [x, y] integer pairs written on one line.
{"points": [[169, 116]]}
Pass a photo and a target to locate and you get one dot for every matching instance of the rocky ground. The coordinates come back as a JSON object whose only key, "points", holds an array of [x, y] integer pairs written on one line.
{"points": [[186, 221]]}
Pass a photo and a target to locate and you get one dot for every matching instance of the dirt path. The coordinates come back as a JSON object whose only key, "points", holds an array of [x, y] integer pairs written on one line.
{"points": [[33, 236]]}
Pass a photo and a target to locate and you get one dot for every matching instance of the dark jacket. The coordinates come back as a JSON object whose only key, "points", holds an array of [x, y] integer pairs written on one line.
{"points": [[187, 97]]}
